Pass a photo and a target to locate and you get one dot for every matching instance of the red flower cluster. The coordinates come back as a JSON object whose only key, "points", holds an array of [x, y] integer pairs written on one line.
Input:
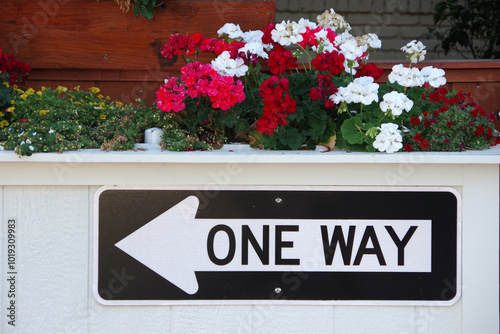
{"points": [[195, 44], [324, 90], [310, 39], [281, 59], [332, 62], [170, 96], [369, 70], [200, 80], [439, 126], [16, 69], [277, 104]]}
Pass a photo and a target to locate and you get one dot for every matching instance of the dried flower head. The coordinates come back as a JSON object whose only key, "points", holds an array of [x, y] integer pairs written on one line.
{"points": [[330, 19]]}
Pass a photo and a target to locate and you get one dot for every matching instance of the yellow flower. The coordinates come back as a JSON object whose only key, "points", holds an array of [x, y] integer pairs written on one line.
{"points": [[39, 93], [11, 109], [43, 112], [6, 84], [100, 96], [61, 89], [103, 116], [24, 96], [94, 90], [4, 123], [102, 104], [30, 91], [1, 113], [77, 88], [119, 104]]}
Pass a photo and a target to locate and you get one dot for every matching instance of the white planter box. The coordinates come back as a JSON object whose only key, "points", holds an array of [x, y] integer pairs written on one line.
{"points": [[51, 198]]}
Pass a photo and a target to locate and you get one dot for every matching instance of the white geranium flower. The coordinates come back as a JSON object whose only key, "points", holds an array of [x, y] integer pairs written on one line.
{"points": [[226, 66], [51, 131], [362, 90], [415, 50], [396, 102], [351, 50], [1, 148], [232, 30], [253, 36], [288, 33], [405, 76], [31, 148], [389, 139], [434, 76], [255, 49], [340, 96], [373, 41], [308, 24]]}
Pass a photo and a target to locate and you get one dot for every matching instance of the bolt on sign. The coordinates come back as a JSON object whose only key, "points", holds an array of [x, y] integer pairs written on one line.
{"points": [[279, 245]]}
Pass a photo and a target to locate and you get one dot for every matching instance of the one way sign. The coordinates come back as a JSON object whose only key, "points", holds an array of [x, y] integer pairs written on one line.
{"points": [[323, 245]]}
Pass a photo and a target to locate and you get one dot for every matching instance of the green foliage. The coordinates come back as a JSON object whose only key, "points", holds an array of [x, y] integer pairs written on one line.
{"points": [[56, 120], [176, 138], [470, 25], [145, 8]]}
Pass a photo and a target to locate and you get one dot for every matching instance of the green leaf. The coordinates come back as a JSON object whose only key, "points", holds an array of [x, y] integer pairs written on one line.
{"points": [[351, 131], [291, 138], [241, 126]]}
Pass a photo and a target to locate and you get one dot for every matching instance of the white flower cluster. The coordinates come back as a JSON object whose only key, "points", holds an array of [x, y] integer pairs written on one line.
{"points": [[226, 66], [415, 50], [413, 77], [230, 30], [395, 103], [360, 90], [288, 33], [434, 76], [389, 139]]}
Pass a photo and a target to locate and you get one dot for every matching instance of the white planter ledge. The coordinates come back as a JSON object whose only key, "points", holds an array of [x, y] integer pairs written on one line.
{"points": [[240, 153]]}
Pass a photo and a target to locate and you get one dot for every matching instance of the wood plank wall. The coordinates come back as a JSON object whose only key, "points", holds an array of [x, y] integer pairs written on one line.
{"points": [[92, 43]]}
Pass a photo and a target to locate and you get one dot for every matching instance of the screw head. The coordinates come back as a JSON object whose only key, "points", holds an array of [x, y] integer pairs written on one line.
{"points": [[277, 290], [279, 200]]}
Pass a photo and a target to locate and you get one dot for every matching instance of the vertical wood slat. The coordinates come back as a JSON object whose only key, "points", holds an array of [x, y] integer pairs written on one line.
{"points": [[51, 246]]}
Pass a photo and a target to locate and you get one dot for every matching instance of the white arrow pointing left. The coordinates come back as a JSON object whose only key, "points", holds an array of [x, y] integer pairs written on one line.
{"points": [[162, 251]]}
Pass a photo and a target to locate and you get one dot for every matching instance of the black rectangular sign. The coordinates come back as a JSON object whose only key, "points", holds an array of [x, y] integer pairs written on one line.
{"points": [[166, 246]]}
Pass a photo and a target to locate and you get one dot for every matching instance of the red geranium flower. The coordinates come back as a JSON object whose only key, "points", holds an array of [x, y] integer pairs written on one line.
{"points": [[408, 148], [369, 70], [418, 137]]}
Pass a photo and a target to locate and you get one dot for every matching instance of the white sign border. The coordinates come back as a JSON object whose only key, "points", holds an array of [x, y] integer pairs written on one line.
{"points": [[95, 249]]}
